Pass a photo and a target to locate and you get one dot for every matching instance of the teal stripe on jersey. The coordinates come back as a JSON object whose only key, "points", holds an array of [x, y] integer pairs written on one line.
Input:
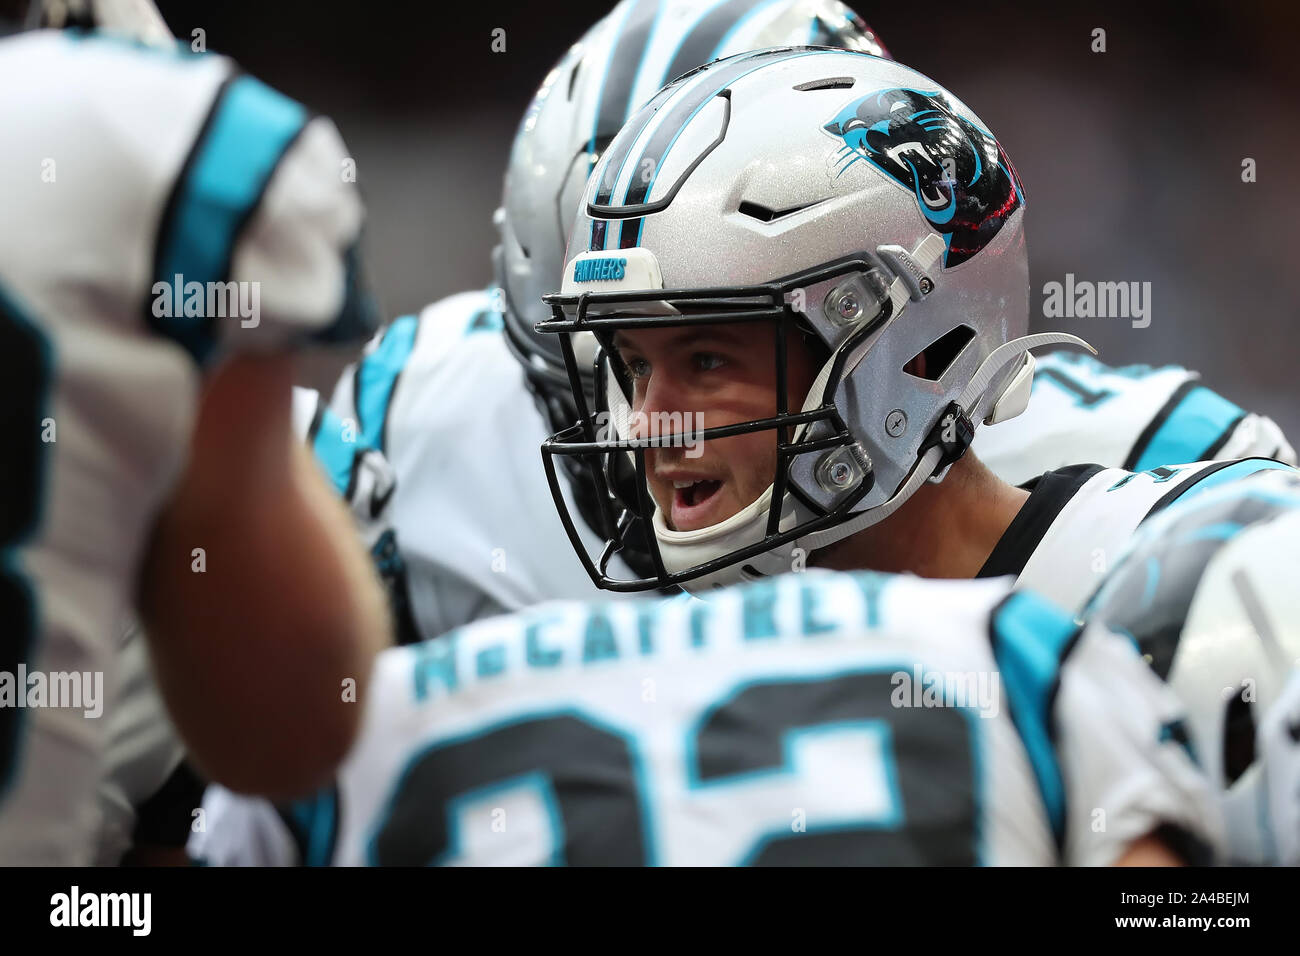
{"points": [[324, 830], [1191, 430], [1029, 635], [486, 319], [250, 129], [377, 378], [26, 380], [334, 451], [1222, 476], [313, 824]]}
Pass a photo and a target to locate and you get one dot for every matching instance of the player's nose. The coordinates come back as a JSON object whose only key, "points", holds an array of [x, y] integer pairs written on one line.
{"points": [[660, 407]]}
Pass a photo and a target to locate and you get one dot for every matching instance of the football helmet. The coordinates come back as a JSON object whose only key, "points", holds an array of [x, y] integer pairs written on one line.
{"points": [[1207, 591], [584, 100], [832, 195]]}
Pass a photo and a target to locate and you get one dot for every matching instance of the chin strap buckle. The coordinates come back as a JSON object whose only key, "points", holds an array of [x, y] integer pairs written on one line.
{"points": [[952, 433]]}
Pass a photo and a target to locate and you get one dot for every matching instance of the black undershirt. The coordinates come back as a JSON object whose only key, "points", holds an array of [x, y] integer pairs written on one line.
{"points": [[1048, 494]]}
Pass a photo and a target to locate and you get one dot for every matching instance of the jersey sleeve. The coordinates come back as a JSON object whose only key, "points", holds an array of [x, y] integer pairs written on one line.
{"points": [[1128, 766], [1081, 411], [1135, 417], [302, 244], [258, 246], [241, 831]]}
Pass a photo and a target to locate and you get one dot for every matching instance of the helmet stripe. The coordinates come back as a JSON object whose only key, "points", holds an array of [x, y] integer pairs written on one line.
{"points": [[698, 46], [625, 63], [613, 160], [744, 21], [611, 163], [679, 117], [683, 111]]}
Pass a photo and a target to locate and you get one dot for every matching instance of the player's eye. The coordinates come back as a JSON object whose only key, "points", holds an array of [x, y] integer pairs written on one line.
{"points": [[637, 367], [707, 361]]}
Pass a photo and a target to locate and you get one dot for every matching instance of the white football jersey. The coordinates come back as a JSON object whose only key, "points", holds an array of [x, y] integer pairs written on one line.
{"points": [[1079, 520], [441, 395], [814, 718], [1135, 417], [161, 210]]}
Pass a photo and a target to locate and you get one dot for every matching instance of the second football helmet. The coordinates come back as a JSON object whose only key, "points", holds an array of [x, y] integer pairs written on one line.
{"points": [[583, 102]]}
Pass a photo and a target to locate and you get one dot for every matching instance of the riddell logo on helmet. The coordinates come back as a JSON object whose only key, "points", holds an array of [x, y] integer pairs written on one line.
{"points": [[596, 270]]}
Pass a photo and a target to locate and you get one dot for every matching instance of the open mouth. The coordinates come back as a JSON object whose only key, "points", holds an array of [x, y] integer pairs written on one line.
{"points": [[688, 494], [692, 501]]}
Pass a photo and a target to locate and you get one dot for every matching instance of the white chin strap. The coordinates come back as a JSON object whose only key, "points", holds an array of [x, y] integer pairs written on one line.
{"points": [[686, 549]]}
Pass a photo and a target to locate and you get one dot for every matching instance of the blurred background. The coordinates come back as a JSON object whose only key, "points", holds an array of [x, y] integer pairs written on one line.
{"points": [[1131, 158]]}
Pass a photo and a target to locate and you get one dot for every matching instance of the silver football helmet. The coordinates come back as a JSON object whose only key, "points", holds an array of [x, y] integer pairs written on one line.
{"points": [[834, 195], [583, 102], [1207, 591]]}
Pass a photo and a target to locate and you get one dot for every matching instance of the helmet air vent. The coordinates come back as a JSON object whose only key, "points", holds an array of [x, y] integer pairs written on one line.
{"points": [[766, 214], [827, 83], [936, 358]]}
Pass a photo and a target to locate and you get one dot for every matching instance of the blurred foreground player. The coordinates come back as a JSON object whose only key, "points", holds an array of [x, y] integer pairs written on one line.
{"points": [[151, 459], [814, 719], [149, 791]]}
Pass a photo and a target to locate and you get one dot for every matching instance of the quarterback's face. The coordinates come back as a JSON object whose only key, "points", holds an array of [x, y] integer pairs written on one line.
{"points": [[687, 379]]}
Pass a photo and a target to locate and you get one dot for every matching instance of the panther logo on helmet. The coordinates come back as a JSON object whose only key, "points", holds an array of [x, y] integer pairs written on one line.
{"points": [[962, 179]]}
